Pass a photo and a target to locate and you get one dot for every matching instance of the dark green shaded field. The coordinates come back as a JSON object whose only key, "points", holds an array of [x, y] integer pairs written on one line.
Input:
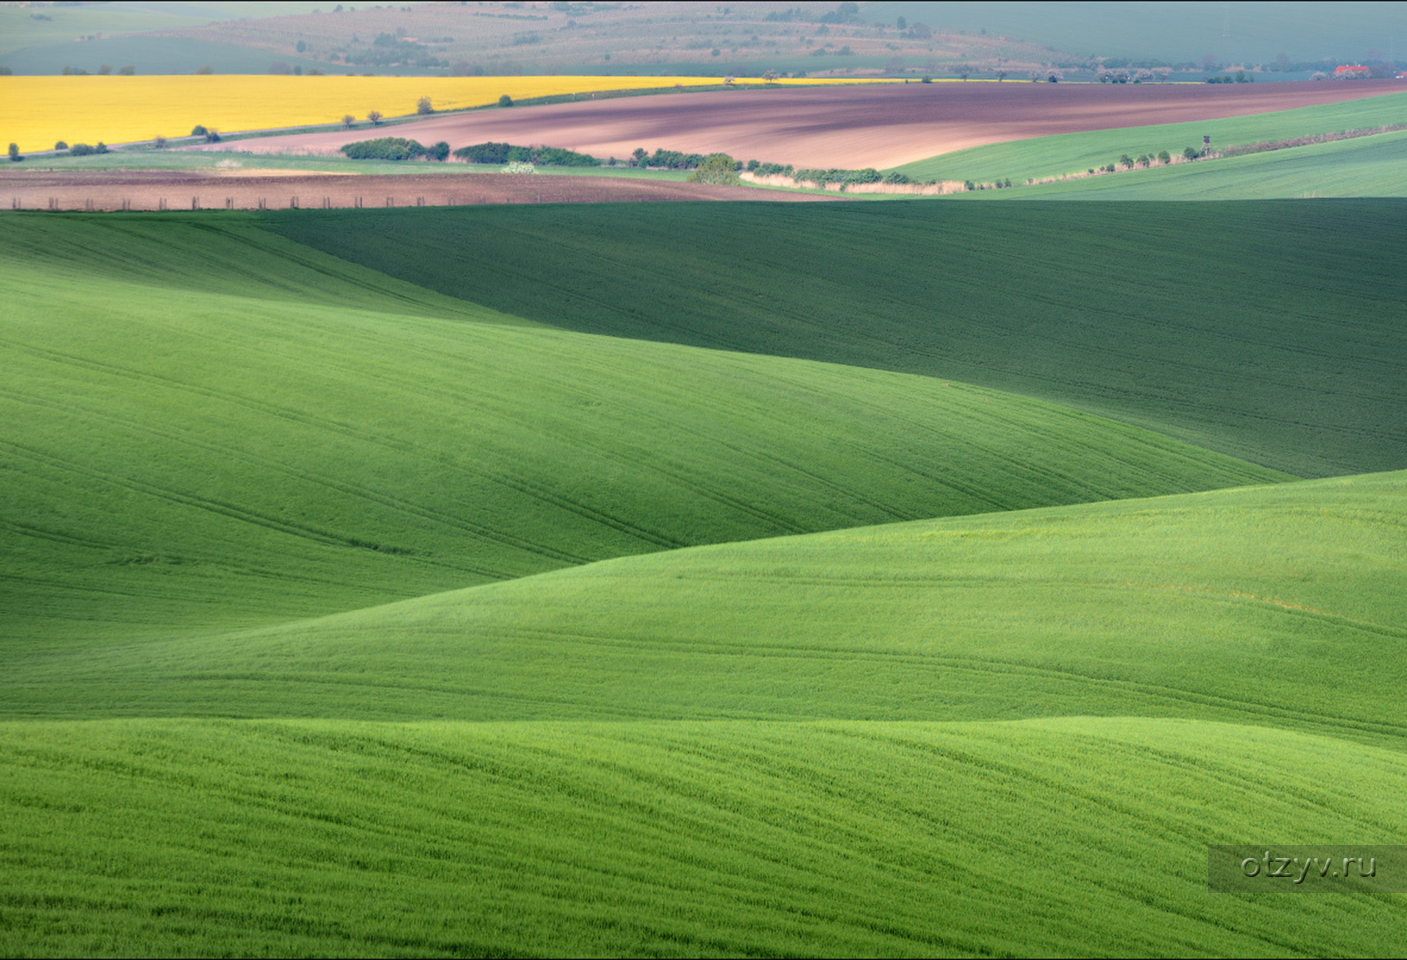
{"points": [[1266, 330]]}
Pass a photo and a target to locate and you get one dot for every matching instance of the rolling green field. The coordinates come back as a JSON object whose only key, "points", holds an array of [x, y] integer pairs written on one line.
{"points": [[698, 579], [685, 838], [361, 440], [1066, 153], [1156, 607], [725, 776], [1263, 330], [1362, 167]]}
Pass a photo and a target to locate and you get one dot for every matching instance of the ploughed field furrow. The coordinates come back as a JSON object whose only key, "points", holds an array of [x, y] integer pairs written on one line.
{"points": [[176, 190], [867, 125]]}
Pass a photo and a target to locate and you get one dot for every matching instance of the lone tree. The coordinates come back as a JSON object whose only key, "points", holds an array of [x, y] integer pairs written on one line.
{"points": [[375, 117], [348, 120], [716, 168], [423, 106], [15, 153], [505, 101]]}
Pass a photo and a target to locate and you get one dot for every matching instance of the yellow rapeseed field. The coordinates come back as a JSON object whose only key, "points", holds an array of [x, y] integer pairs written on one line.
{"points": [[36, 112]]}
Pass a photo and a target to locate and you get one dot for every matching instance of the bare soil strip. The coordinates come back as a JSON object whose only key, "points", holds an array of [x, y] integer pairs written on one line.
{"points": [[853, 127], [173, 190]]}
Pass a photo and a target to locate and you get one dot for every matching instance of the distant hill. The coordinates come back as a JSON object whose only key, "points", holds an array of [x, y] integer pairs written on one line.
{"points": [[1235, 32]]}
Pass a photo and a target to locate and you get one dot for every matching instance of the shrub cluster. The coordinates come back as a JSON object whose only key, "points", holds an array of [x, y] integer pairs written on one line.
{"points": [[867, 175], [500, 153], [83, 149], [835, 175], [395, 148], [668, 159], [716, 168]]}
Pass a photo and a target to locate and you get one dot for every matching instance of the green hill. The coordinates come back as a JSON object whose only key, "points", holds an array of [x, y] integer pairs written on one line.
{"points": [[1262, 330], [1068, 153], [210, 425], [1164, 607], [754, 750], [307, 649]]}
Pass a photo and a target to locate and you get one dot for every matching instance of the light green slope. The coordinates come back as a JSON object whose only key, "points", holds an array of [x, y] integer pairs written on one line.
{"points": [[1069, 837], [1276, 605], [209, 426], [1363, 167], [1066, 153]]}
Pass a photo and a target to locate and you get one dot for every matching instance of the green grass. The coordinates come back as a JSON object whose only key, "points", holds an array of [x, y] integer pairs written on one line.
{"points": [[1067, 153], [245, 709], [211, 424], [1264, 330], [1278, 606], [1073, 837], [1363, 167], [755, 749]]}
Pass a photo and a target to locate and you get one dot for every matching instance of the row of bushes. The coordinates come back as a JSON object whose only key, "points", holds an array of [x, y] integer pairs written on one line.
{"points": [[402, 148], [667, 159], [499, 153], [834, 175]]}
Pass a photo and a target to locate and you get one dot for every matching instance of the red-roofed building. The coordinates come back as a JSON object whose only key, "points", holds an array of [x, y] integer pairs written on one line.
{"points": [[1341, 72]]}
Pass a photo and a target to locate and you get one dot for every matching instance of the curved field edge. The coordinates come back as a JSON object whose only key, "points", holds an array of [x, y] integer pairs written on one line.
{"points": [[37, 111], [1068, 153], [1262, 330], [209, 426], [1280, 606], [1080, 837], [1362, 167]]}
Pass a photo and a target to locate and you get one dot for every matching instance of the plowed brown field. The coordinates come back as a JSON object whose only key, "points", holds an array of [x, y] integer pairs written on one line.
{"points": [[853, 127], [167, 190]]}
